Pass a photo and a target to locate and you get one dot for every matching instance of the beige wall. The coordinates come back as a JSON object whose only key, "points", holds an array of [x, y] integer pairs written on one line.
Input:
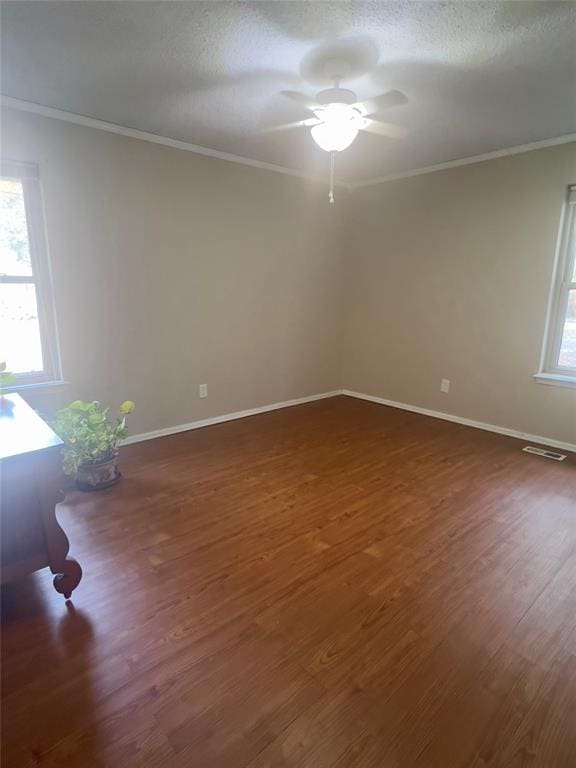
{"points": [[172, 269], [448, 277]]}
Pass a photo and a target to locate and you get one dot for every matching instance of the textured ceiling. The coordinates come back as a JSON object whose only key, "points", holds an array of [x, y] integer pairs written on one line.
{"points": [[480, 76]]}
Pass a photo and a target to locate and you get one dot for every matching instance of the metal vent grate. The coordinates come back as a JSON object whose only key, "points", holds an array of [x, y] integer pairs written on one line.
{"points": [[544, 452]]}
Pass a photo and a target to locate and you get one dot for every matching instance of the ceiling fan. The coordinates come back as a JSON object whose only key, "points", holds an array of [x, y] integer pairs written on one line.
{"points": [[339, 116]]}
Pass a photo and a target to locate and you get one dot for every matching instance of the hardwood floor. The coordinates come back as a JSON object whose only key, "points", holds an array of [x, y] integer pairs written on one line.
{"points": [[334, 585]]}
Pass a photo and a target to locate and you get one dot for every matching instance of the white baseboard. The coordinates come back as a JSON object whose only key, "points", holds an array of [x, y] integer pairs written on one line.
{"points": [[538, 439], [226, 417]]}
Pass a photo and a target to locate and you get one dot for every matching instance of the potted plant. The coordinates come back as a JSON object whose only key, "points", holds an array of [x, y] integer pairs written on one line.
{"points": [[6, 379], [90, 451]]}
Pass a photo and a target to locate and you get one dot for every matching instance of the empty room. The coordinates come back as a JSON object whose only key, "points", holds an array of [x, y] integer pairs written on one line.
{"points": [[288, 384]]}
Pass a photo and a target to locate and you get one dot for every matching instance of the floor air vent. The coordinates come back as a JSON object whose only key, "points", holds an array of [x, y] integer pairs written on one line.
{"points": [[543, 452]]}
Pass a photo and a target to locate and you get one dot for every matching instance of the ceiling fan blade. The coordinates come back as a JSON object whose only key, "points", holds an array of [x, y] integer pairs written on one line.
{"points": [[390, 130], [288, 126], [384, 101], [302, 99]]}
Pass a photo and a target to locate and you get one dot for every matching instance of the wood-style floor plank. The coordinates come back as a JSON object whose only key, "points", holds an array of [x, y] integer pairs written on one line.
{"points": [[334, 585]]}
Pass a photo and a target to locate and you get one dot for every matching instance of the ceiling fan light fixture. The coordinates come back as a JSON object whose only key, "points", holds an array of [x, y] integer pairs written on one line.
{"points": [[338, 128], [338, 117], [334, 137]]}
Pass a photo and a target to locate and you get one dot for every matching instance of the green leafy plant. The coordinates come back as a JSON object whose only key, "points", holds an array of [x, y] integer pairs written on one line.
{"points": [[88, 435], [6, 379]]}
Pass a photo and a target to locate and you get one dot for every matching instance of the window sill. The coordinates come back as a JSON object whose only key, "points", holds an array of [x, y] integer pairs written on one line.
{"points": [[57, 384], [556, 379]]}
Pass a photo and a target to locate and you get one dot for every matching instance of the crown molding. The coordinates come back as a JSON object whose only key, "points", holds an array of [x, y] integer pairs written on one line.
{"points": [[566, 139], [135, 133], [166, 141]]}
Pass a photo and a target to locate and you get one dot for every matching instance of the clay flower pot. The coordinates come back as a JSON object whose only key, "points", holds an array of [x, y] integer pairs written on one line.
{"points": [[97, 475]]}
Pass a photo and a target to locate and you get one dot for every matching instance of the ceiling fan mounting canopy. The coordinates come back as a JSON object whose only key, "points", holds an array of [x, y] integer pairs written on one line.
{"points": [[337, 69], [336, 96]]}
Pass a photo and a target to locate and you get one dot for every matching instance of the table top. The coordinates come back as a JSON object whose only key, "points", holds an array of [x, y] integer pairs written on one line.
{"points": [[22, 431]]}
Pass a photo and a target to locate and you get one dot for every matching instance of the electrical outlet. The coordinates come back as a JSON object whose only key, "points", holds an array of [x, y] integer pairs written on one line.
{"points": [[203, 390], [445, 385]]}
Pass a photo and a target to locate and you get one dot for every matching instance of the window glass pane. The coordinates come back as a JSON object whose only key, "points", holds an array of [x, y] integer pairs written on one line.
{"points": [[14, 250], [19, 329], [567, 358]]}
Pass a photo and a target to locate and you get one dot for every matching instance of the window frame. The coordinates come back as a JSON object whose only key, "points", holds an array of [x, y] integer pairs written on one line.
{"points": [[41, 278]]}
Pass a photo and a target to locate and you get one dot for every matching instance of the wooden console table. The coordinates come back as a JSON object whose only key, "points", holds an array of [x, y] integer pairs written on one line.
{"points": [[29, 480]]}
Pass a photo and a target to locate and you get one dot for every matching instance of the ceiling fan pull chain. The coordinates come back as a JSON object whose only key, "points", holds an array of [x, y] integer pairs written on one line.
{"points": [[332, 162]]}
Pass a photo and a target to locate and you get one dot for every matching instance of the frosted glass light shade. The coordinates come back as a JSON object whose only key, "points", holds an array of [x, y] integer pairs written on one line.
{"points": [[338, 127], [335, 135]]}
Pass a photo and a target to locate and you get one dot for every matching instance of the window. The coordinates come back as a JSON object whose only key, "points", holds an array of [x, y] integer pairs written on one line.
{"points": [[28, 342], [558, 364]]}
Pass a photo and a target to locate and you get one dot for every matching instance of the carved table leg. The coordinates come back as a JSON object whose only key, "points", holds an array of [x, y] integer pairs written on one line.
{"points": [[68, 580], [66, 569]]}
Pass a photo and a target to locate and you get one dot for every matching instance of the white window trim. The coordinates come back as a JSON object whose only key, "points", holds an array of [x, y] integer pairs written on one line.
{"points": [[51, 375], [549, 371]]}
